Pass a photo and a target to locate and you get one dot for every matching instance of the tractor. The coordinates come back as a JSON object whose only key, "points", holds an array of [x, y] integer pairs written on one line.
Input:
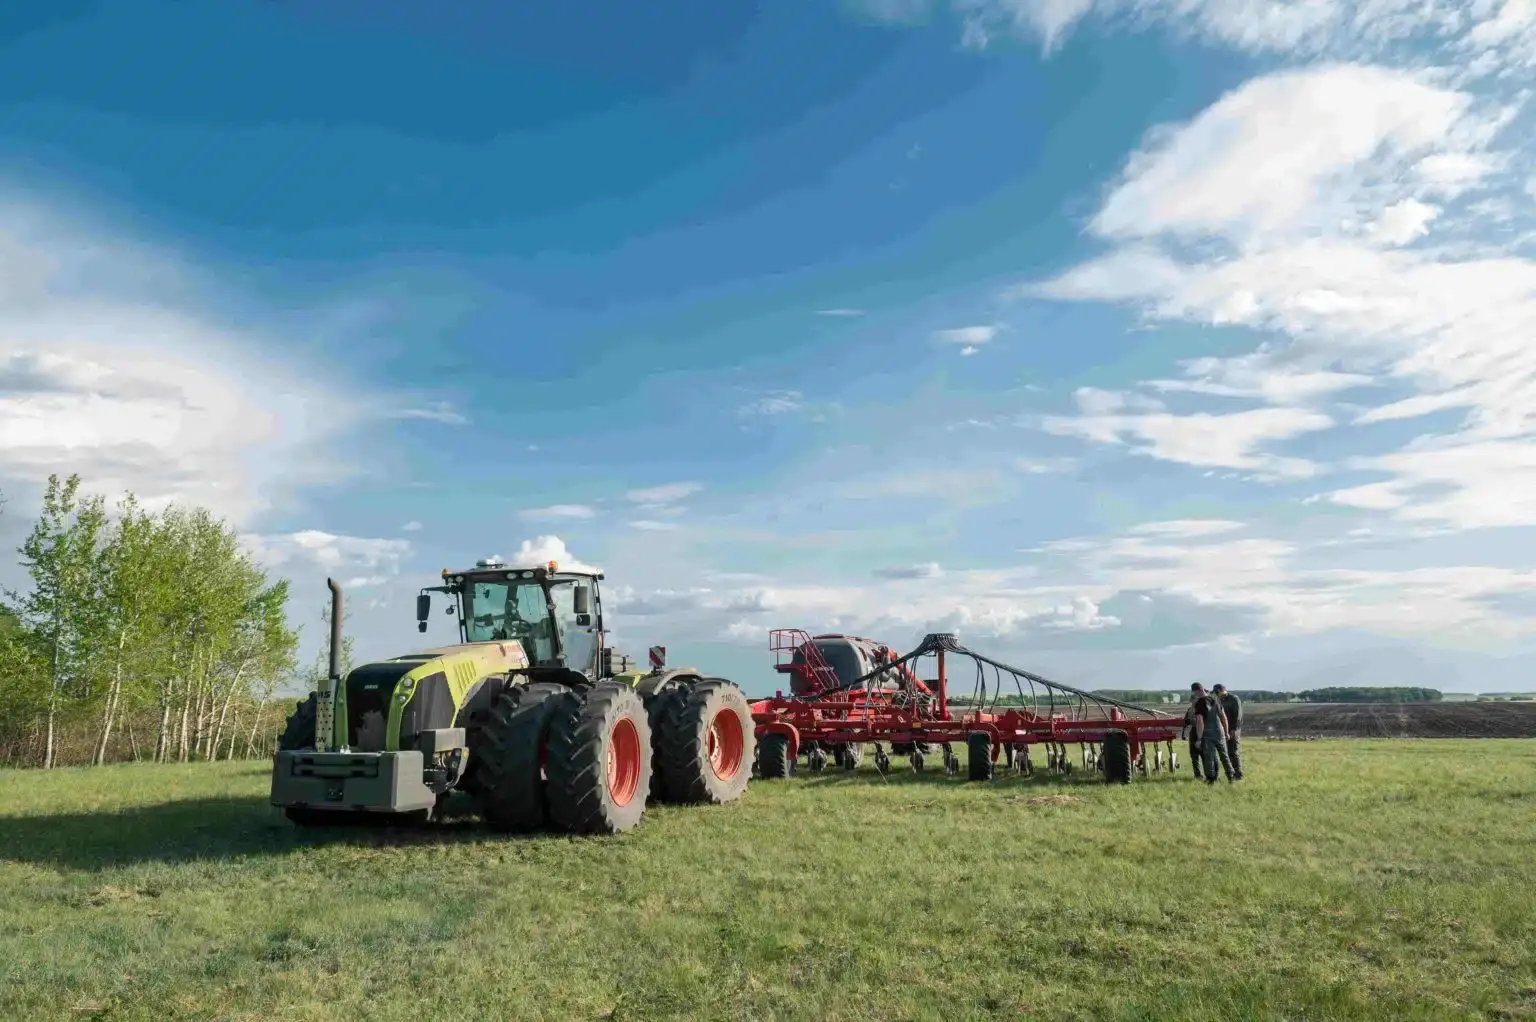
{"points": [[531, 713]]}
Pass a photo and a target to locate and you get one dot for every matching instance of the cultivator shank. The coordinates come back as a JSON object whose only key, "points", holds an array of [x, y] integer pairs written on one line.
{"points": [[832, 713]]}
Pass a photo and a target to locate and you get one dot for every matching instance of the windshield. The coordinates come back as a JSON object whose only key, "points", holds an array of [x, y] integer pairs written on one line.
{"points": [[510, 610]]}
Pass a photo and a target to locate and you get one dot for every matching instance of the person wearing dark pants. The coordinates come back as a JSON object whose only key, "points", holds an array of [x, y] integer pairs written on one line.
{"points": [[1232, 706], [1191, 730], [1211, 723]]}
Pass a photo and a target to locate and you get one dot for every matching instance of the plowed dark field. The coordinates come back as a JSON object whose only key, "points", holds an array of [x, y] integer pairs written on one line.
{"points": [[1394, 720]]}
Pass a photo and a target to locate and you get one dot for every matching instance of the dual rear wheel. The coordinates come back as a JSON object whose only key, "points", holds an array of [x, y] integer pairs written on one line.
{"points": [[587, 762]]}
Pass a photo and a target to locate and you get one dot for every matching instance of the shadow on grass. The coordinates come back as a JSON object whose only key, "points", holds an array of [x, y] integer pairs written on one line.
{"points": [[204, 829]]}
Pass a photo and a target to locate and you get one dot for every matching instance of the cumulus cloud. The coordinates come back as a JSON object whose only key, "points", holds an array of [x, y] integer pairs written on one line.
{"points": [[532, 553]]}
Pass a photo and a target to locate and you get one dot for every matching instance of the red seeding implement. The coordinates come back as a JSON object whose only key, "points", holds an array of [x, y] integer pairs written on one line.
{"points": [[846, 692]]}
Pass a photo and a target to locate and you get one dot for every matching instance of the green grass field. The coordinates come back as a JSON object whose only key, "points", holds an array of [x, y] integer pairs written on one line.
{"points": [[1342, 880]]}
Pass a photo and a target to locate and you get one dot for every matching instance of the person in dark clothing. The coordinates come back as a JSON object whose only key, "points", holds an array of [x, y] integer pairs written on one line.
{"points": [[1190, 731], [1211, 723], [1233, 707]]}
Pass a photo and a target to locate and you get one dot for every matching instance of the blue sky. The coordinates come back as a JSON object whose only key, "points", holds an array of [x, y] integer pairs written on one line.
{"points": [[1134, 342]]}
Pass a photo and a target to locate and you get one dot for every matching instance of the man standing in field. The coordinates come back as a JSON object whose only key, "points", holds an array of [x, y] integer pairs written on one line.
{"points": [[1192, 729], [1232, 706], [1211, 725]]}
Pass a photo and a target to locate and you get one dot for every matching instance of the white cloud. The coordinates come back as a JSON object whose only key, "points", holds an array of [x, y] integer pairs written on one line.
{"points": [[532, 553], [661, 503], [657, 496], [1403, 221], [440, 411], [559, 511], [969, 336], [930, 570], [1284, 154], [1487, 37], [840, 313], [327, 550], [116, 363], [1310, 182], [411, 527], [1231, 440]]}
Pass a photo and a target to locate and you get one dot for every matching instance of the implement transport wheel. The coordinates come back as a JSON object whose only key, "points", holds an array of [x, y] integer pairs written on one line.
{"points": [[513, 749], [299, 732], [773, 760], [701, 739], [1116, 757], [599, 765], [978, 747]]}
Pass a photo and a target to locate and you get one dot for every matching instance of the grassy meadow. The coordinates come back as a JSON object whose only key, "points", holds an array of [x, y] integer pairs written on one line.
{"points": [[1341, 880]]}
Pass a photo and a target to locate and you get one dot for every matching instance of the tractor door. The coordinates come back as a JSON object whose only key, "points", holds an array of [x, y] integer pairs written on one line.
{"points": [[579, 635]]}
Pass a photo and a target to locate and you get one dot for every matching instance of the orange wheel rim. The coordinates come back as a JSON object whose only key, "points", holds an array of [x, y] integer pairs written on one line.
{"points": [[727, 744], [623, 762]]}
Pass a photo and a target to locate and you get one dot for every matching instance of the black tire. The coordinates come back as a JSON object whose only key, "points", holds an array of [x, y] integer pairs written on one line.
{"points": [[474, 722], [586, 793], [659, 704], [712, 713], [510, 776], [299, 732], [853, 753], [773, 760], [1116, 757], [978, 748]]}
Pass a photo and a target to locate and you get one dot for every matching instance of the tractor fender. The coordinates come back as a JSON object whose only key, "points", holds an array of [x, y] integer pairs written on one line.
{"points": [[789, 731], [650, 684]]}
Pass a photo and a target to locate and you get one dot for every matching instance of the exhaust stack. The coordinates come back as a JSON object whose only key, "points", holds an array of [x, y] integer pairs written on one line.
{"points": [[335, 629], [325, 700]]}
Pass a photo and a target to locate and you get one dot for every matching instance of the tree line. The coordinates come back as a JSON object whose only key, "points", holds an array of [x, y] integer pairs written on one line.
{"points": [[143, 635]]}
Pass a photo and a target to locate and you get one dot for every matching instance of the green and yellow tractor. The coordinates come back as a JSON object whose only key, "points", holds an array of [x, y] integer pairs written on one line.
{"points": [[531, 713]]}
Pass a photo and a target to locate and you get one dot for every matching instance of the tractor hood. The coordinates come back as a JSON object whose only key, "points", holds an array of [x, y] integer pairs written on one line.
{"points": [[384, 704]]}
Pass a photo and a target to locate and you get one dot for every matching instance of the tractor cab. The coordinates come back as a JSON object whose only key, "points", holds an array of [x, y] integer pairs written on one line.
{"points": [[555, 615]]}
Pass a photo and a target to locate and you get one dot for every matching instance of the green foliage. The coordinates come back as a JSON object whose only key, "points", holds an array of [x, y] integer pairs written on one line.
{"points": [[1345, 880], [138, 619], [1365, 694]]}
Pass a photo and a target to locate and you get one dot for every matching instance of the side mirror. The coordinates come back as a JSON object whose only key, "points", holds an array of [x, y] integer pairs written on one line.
{"points": [[583, 600], [423, 608]]}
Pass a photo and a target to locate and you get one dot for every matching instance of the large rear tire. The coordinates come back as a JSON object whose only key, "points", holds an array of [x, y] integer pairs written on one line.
{"points": [[299, 732], [701, 743], [659, 702], [599, 766], [512, 757]]}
